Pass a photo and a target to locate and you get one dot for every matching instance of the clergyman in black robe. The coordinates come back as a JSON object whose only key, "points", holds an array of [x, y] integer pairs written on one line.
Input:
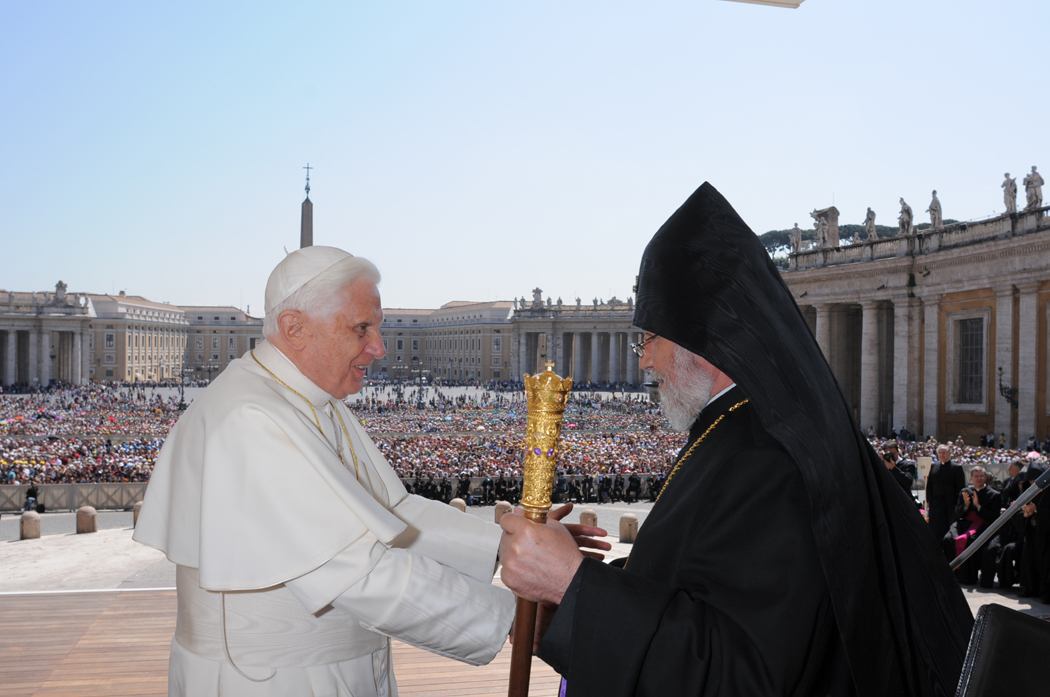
{"points": [[943, 483], [781, 558]]}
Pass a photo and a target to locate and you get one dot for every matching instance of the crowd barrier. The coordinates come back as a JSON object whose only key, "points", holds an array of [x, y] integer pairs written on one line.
{"points": [[70, 497], [123, 495]]}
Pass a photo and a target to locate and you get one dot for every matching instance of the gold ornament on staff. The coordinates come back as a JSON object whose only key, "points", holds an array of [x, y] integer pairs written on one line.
{"points": [[546, 395]]}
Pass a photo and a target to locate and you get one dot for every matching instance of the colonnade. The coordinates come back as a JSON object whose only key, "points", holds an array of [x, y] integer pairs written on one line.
{"points": [[38, 355], [869, 347], [900, 360], [587, 356]]}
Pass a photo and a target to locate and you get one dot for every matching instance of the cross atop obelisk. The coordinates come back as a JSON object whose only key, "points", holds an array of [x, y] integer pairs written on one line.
{"points": [[306, 220]]}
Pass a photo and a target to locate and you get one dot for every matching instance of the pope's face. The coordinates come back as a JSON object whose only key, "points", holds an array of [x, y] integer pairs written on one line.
{"points": [[339, 348]]}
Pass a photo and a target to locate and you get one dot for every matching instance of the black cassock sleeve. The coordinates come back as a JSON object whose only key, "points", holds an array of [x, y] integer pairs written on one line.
{"points": [[744, 610]]}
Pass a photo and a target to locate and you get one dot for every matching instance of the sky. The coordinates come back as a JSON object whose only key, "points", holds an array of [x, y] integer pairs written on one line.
{"points": [[476, 150]]}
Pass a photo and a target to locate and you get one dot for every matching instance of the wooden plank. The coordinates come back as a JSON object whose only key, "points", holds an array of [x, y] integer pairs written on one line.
{"points": [[116, 645]]}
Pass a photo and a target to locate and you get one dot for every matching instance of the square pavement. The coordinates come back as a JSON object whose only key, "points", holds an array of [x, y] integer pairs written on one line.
{"points": [[87, 615]]}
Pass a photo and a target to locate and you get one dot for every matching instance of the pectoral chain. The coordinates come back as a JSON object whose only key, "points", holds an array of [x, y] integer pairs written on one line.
{"points": [[317, 420], [696, 443]]}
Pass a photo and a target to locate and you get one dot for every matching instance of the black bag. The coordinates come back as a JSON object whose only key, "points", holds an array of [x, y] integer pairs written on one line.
{"points": [[999, 660], [40, 508]]}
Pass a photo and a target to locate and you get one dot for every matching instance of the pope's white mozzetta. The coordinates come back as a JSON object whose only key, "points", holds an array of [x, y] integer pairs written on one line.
{"points": [[299, 551]]}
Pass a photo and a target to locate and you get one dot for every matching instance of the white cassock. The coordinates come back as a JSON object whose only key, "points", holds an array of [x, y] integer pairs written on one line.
{"points": [[293, 568]]}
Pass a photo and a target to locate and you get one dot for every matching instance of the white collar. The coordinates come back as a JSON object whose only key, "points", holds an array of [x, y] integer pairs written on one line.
{"points": [[714, 397], [283, 367]]}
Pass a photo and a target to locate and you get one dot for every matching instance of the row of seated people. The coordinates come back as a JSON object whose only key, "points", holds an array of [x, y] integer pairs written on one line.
{"points": [[603, 488], [1019, 554]]}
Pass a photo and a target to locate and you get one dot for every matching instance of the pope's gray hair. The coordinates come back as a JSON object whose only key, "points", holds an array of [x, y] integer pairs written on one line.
{"points": [[319, 297]]}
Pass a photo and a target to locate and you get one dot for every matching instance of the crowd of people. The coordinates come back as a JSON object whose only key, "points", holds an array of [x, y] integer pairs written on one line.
{"points": [[89, 412], [435, 438], [97, 433]]}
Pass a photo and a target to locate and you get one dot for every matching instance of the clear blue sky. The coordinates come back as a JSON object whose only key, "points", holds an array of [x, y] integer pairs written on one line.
{"points": [[475, 150]]}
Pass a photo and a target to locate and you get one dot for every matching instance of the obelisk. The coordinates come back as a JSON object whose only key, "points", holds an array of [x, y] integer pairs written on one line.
{"points": [[306, 220]]}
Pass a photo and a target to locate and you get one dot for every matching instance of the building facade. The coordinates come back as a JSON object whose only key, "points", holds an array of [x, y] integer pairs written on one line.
{"points": [[459, 342], [589, 342], [216, 335], [134, 339], [44, 336], [943, 332], [74, 338], [479, 342]]}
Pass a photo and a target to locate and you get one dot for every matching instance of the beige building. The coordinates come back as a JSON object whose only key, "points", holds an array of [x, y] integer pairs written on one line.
{"points": [[44, 336], [136, 340], [471, 341], [217, 334], [943, 332], [77, 337], [460, 341], [589, 342], [501, 340]]}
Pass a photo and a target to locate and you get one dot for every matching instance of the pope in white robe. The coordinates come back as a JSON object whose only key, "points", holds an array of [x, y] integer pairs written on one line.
{"points": [[298, 551]]}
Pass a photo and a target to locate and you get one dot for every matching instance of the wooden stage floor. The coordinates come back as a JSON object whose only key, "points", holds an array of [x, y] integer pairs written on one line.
{"points": [[115, 644]]}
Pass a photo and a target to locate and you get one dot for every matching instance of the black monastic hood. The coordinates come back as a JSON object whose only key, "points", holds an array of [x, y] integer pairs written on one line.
{"points": [[708, 284]]}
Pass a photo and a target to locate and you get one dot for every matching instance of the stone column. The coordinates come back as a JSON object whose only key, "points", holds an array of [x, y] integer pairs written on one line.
{"points": [[632, 361], [523, 353], [614, 356], [578, 357], [532, 350], [823, 330], [45, 357], [931, 362], [11, 363], [1004, 358], [562, 350], [903, 310], [33, 371], [869, 366], [1028, 324], [85, 356], [596, 362], [75, 359]]}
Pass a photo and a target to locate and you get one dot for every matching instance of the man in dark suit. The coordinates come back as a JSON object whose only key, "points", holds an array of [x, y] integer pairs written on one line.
{"points": [[943, 484], [588, 488]]}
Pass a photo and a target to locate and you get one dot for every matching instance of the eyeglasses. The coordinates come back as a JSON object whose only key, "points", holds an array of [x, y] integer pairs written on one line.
{"points": [[639, 346]]}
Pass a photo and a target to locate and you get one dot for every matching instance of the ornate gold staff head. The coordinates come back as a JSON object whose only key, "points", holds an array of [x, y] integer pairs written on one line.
{"points": [[546, 394]]}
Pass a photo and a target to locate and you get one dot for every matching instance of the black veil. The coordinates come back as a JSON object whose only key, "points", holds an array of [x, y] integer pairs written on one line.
{"points": [[707, 283]]}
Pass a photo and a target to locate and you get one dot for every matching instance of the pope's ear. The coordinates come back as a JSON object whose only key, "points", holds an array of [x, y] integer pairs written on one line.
{"points": [[291, 324]]}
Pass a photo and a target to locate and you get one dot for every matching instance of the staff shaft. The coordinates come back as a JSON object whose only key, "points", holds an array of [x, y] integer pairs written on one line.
{"points": [[524, 631]]}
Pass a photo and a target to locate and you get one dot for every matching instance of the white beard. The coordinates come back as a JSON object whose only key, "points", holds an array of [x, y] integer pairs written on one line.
{"points": [[685, 393]]}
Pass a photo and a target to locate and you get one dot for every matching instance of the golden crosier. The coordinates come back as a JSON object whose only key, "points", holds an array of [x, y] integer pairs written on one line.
{"points": [[546, 394]]}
